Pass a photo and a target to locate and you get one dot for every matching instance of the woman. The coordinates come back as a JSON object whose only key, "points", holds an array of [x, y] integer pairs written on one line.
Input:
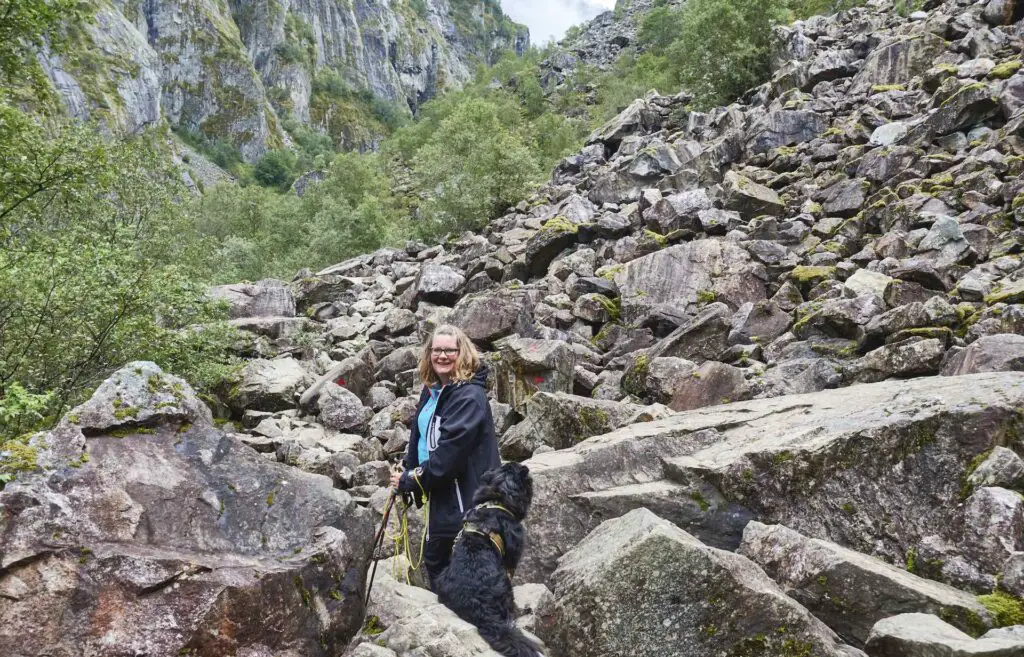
{"points": [[452, 441]]}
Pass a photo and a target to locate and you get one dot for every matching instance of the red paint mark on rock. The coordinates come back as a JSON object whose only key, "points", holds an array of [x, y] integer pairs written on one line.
{"points": [[340, 380], [538, 380]]}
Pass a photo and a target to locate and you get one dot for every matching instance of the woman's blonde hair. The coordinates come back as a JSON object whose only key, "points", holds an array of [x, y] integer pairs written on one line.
{"points": [[466, 363]]}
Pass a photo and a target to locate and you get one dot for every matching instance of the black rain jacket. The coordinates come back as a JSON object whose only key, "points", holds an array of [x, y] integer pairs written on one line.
{"points": [[463, 447]]}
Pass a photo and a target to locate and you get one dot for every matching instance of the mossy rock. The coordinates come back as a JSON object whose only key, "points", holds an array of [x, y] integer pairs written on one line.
{"points": [[1005, 70]]}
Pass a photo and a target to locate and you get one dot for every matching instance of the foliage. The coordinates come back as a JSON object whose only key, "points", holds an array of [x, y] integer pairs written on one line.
{"points": [[27, 26], [261, 233], [22, 411], [715, 49], [96, 263], [474, 165], [276, 169]]}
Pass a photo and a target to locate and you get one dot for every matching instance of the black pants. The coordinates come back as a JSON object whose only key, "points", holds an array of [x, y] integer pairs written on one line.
{"points": [[436, 556]]}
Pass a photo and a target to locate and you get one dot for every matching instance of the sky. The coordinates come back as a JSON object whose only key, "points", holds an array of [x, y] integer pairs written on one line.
{"points": [[549, 19]]}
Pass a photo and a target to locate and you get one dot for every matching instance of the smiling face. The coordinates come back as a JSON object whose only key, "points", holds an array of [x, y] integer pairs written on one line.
{"points": [[444, 351]]}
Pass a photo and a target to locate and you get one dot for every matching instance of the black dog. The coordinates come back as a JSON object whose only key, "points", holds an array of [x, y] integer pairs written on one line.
{"points": [[477, 584]]}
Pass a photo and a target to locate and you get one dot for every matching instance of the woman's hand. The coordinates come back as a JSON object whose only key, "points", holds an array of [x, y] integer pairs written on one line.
{"points": [[396, 474]]}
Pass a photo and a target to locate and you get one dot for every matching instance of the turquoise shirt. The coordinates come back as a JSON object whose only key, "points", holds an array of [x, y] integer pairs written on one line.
{"points": [[423, 422]]}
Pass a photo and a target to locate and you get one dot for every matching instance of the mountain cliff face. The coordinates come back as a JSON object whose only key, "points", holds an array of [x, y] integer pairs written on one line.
{"points": [[233, 71]]}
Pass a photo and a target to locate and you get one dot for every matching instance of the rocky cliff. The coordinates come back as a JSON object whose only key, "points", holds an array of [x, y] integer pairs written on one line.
{"points": [[233, 71]]}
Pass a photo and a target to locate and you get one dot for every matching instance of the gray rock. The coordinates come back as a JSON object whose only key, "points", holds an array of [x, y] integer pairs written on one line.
{"points": [[342, 410], [900, 359], [439, 284], [266, 298], [784, 128], [864, 281], [400, 321], [710, 384], [798, 376], [269, 385], [705, 337], [414, 622], [139, 394], [1002, 468], [494, 314], [619, 592], [399, 360], [889, 134], [840, 318], [793, 460], [677, 212], [899, 61], [556, 235], [524, 366], [679, 274], [851, 591], [924, 635], [844, 198], [561, 420], [173, 521], [749, 198], [759, 322], [1000, 12], [993, 527], [992, 353], [1013, 575]]}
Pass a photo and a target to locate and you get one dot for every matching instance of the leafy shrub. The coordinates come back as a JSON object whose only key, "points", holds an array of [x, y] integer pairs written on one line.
{"points": [[276, 169]]}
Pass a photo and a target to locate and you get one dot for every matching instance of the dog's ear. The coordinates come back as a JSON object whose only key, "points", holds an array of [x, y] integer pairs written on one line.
{"points": [[487, 489]]}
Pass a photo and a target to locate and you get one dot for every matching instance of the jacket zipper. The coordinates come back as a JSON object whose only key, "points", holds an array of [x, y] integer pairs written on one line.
{"points": [[437, 407]]}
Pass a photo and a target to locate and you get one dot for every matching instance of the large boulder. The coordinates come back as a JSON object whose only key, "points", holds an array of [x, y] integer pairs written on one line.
{"points": [[494, 314], [524, 366], [924, 635], [750, 199], [439, 284], [266, 298], [899, 61], [158, 534], [639, 585], [896, 450], [560, 420], [784, 128], [269, 385], [342, 410], [408, 620], [851, 591], [689, 273], [991, 353]]}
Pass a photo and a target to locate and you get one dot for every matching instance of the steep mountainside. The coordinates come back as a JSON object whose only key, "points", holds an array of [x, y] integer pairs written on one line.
{"points": [[233, 71]]}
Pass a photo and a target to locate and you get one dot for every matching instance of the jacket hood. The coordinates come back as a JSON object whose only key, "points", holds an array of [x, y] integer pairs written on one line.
{"points": [[480, 378]]}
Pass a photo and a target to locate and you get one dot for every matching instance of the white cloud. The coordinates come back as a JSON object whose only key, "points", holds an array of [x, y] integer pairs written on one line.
{"points": [[549, 19]]}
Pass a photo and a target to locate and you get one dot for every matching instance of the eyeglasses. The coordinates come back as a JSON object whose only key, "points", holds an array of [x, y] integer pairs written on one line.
{"points": [[439, 351]]}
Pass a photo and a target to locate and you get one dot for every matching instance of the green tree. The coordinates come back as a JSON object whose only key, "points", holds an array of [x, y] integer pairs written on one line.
{"points": [[473, 167], [723, 47], [25, 27], [276, 169]]}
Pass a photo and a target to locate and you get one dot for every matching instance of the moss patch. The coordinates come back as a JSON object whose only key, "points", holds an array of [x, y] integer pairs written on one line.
{"points": [[1006, 609], [559, 224], [1005, 70]]}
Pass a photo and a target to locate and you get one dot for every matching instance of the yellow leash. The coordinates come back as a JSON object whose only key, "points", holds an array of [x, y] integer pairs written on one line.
{"points": [[402, 542]]}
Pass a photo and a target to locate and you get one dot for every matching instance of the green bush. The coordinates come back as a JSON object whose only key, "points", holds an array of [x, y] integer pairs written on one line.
{"points": [[473, 166], [276, 169], [99, 264]]}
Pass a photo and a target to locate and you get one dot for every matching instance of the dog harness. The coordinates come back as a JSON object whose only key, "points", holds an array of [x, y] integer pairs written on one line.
{"points": [[494, 537]]}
